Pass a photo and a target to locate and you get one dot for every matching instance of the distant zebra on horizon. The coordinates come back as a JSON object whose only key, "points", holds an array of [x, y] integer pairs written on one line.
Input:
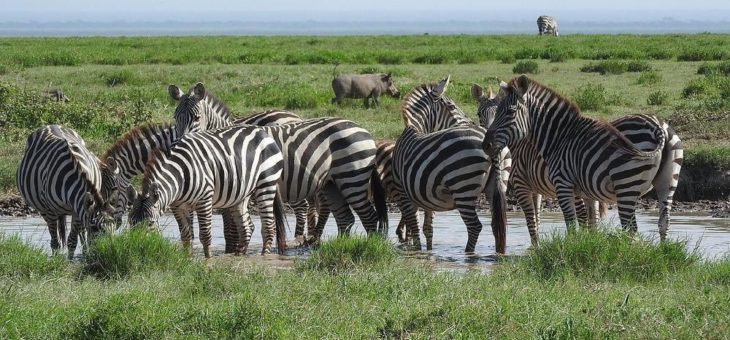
{"points": [[128, 156], [440, 165], [547, 25], [221, 168], [59, 176], [330, 154], [584, 157], [530, 180]]}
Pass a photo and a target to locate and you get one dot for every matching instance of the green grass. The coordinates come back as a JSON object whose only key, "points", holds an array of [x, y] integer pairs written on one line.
{"points": [[117, 83], [526, 66], [21, 261], [131, 252], [631, 290], [347, 253], [616, 67]]}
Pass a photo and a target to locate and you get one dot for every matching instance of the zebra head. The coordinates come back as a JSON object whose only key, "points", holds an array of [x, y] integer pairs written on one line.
{"points": [[146, 207], [196, 110], [487, 103], [511, 121], [426, 109], [112, 188], [99, 216]]}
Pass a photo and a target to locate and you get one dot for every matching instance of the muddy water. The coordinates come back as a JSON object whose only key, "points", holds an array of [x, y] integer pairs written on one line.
{"points": [[710, 235]]}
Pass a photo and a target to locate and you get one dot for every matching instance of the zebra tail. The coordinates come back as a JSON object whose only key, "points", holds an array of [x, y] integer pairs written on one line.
{"points": [[630, 148], [498, 203], [381, 206], [279, 220]]}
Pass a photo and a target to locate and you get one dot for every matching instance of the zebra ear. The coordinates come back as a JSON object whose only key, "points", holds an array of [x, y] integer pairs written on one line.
{"points": [[477, 91], [111, 164], [441, 87], [154, 191], [175, 92], [88, 201], [491, 93], [131, 194], [199, 90], [521, 85]]}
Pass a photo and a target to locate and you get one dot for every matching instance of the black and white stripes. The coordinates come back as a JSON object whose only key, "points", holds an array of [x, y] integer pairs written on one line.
{"points": [[547, 25]]}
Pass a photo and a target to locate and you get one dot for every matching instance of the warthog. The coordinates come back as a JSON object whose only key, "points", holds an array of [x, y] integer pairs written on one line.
{"points": [[363, 86]]}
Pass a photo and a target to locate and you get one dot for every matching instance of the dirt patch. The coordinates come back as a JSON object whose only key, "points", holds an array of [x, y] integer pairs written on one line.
{"points": [[13, 205]]}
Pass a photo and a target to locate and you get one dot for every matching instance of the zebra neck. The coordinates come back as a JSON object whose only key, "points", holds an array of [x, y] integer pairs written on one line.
{"points": [[218, 114], [551, 124]]}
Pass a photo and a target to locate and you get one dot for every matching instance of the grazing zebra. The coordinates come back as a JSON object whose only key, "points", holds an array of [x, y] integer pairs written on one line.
{"points": [[584, 157], [440, 165], [547, 25], [59, 176], [128, 156], [384, 169], [332, 154], [221, 168]]}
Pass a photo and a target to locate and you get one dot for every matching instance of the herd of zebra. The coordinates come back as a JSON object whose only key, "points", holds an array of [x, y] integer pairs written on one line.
{"points": [[529, 138]]}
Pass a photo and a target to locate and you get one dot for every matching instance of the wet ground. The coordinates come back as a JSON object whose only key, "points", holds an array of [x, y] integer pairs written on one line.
{"points": [[711, 236]]}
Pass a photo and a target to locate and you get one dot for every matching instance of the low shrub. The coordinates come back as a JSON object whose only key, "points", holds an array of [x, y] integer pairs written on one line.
{"points": [[526, 66], [616, 67], [703, 55], [507, 59], [591, 97], [722, 68], [649, 78], [121, 77], [657, 98], [133, 251], [22, 260], [607, 255], [348, 253]]}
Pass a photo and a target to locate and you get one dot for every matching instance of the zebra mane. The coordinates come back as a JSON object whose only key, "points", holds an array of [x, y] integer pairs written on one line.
{"points": [[418, 99], [218, 105], [85, 176], [135, 133], [621, 141]]}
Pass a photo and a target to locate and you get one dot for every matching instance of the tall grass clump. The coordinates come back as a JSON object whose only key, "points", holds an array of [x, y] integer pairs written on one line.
{"points": [[21, 260], [699, 54], [649, 78], [657, 98], [722, 68], [526, 66], [607, 255], [120, 77], [616, 67], [591, 97], [133, 251], [348, 253]]}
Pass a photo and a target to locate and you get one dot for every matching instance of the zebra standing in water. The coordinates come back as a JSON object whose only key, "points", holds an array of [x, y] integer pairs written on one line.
{"points": [[530, 179], [584, 157], [221, 168], [128, 156], [440, 165], [332, 154], [384, 169], [58, 176], [547, 25]]}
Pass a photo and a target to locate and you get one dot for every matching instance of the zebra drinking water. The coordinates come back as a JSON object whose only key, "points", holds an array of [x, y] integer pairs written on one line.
{"points": [[221, 168], [330, 154], [440, 165], [584, 157], [59, 176]]}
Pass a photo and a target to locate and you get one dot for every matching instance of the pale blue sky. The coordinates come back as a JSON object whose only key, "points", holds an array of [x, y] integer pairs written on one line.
{"points": [[184, 10]]}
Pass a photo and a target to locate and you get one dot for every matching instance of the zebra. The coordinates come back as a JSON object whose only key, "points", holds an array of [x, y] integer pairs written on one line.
{"points": [[331, 154], [221, 168], [584, 157], [440, 165], [59, 176], [128, 156], [384, 169], [547, 25]]}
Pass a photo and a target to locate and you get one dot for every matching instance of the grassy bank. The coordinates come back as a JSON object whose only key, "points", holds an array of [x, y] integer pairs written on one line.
{"points": [[555, 292], [117, 83]]}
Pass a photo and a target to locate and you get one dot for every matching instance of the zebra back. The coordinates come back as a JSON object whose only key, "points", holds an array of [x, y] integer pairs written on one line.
{"points": [[58, 176], [269, 117], [426, 109]]}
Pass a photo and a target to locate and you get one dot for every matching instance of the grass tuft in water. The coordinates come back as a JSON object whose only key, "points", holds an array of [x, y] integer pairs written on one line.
{"points": [[348, 253], [133, 251], [607, 255], [21, 260]]}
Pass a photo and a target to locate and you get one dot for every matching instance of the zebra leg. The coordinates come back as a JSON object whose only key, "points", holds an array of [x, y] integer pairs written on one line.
{"points": [[230, 231], [581, 211], [52, 223], [409, 214], [324, 214], [61, 227], [627, 210], [205, 216], [301, 209], [525, 199], [473, 225], [245, 227], [665, 197], [566, 200], [312, 214], [428, 228], [73, 237], [184, 220]]}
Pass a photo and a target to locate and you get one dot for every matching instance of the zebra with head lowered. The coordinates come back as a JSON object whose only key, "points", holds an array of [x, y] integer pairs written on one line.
{"points": [[128, 156], [59, 176], [440, 165], [221, 168], [547, 25], [530, 180], [331, 154], [584, 157]]}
